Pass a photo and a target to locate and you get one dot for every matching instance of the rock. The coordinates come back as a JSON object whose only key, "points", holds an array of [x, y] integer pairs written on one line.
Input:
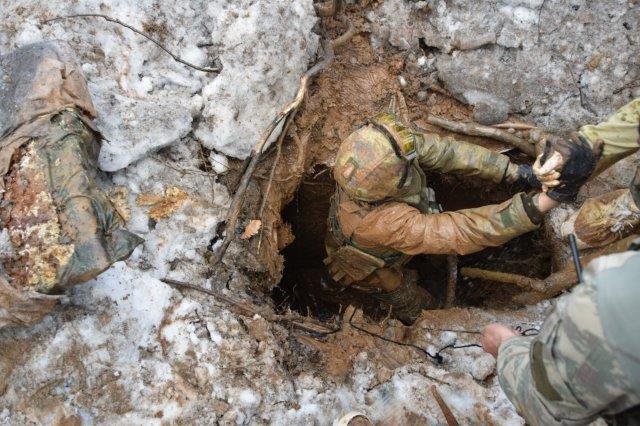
{"points": [[483, 366], [488, 110], [517, 52]]}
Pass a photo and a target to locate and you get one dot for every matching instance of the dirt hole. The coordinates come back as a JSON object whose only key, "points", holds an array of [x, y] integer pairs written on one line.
{"points": [[300, 288]]}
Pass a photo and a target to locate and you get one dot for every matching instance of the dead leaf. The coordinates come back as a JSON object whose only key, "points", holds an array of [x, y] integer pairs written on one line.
{"points": [[252, 229]]}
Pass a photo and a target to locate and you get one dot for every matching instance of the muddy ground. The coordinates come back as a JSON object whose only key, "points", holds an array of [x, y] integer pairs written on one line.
{"points": [[128, 349], [359, 83]]}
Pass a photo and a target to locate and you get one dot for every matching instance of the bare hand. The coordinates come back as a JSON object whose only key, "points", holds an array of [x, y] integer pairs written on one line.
{"points": [[493, 335], [549, 173]]}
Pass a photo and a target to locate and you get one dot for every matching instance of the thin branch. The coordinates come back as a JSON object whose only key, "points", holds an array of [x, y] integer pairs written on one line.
{"points": [[448, 415], [485, 131], [151, 39], [272, 174], [238, 198], [514, 126], [452, 280], [249, 310]]}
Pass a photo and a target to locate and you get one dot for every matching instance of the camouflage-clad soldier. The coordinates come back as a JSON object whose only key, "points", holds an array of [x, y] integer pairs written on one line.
{"points": [[612, 216], [585, 362], [383, 211]]}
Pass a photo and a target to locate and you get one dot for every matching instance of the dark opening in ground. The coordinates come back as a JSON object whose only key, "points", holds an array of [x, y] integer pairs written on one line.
{"points": [[300, 288]]}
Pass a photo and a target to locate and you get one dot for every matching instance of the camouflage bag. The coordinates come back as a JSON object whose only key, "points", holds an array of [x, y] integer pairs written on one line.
{"points": [[63, 228]]}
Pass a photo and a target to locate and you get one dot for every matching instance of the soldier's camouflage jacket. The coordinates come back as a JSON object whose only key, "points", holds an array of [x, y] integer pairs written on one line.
{"points": [[585, 363], [393, 231]]}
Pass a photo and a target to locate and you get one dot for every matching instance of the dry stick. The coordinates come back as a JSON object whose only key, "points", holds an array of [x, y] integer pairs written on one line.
{"points": [[151, 39], [555, 283], [452, 280], [448, 415], [238, 198], [250, 310], [505, 277], [272, 174], [514, 126], [479, 130]]}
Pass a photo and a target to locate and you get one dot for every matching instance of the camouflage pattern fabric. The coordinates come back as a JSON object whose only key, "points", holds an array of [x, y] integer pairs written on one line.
{"points": [[410, 221], [62, 226], [620, 135], [367, 167], [570, 374], [447, 155], [604, 219]]}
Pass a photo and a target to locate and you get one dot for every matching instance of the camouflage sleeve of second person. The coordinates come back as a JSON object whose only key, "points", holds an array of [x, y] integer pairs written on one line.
{"points": [[620, 135], [568, 373]]}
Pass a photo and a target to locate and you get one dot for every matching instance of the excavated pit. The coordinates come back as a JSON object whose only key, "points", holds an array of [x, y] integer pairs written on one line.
{"points": [[359, 83], [301, 290]]}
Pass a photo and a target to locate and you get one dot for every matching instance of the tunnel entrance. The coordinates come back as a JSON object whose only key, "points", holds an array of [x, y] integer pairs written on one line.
{"points": [[301, 287]]}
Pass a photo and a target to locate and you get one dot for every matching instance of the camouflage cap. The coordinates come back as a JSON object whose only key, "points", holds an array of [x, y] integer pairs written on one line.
{"points": [[367, 167]]}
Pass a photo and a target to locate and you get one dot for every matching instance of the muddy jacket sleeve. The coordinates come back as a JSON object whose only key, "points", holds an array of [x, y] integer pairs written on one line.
{"points": [[620, 135], [568, 374], [404, 228], [447, 155]]}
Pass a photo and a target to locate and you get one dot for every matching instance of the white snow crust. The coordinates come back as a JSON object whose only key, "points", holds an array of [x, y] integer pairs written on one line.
{"points": [[127, 349]]}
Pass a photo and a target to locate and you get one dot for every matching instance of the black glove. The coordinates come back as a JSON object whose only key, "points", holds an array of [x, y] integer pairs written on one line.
{"points": [[634, 188], [527, 177], [580, 161]]}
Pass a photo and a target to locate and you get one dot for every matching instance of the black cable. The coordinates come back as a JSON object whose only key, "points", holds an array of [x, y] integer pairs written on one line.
{"points": [[527, 332], [437, 357]]}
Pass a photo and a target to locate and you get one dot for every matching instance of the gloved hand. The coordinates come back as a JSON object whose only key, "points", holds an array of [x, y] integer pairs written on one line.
{"points": [[634, 188], [525, 176], [577, 159]]}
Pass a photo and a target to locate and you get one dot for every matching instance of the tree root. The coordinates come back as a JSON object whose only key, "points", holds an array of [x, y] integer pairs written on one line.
{"points": [[289, 110], [328, 8], [272, 174], [554, 284], [474, 129], [238, 198], [452, 280], [514, 126], [249, 310], [504, 277]]}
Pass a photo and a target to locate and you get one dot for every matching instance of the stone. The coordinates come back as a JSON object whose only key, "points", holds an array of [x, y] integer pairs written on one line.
{"points": [[518, 52]]}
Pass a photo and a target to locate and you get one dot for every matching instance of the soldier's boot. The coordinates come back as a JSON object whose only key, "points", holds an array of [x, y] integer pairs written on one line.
{"points": [[407, 301]]}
